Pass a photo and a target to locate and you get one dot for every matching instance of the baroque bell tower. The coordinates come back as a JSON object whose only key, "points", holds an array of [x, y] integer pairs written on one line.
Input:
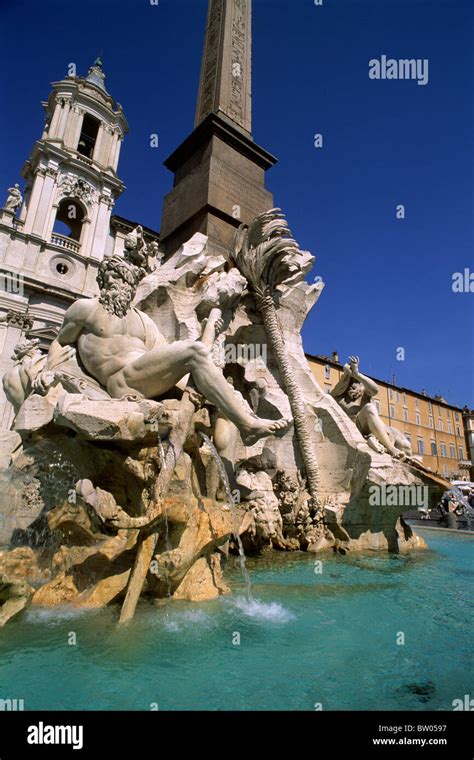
{"points": [[51, 251], [71, 175]]}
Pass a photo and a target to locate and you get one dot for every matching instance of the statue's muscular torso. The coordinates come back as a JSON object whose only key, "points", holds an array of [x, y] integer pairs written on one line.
{"points": [[107, 343]]}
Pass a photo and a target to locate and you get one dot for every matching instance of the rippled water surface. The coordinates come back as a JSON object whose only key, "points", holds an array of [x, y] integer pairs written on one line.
{"points": [[305, 638]]}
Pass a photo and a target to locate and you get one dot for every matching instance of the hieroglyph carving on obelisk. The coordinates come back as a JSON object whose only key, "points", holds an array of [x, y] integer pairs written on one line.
{"points": [[225, 84]]}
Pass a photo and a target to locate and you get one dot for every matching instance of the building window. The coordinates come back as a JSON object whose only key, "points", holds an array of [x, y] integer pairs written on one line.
{"points": [[391, 410], [69, 218], [431, 423], [408, 435], [404, 396], [440, 425], [461, 452], [405, 415], [327, 372], [434, 449], [443, 450], [430, 407], [458, 431], [452, 451], [418, 418], [450, 427], [88, 136], [397, 396], [390, 394], [446, 471], [439, 411], [448, 413], [416, 403], [456, 416], [421, 446]]}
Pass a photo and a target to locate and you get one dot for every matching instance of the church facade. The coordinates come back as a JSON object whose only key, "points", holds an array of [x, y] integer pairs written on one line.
{"points": [[53, 239]]}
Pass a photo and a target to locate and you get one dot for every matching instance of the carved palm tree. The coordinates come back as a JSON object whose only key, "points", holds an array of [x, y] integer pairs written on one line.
{"points": [[267, 256]]}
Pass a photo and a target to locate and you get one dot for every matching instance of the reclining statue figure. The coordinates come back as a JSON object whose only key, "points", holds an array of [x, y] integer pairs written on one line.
{"points": [[354, 393], [123, 349]]}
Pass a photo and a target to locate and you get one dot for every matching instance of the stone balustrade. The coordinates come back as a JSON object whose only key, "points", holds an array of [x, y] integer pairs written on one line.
{"points": [[65, 242]]}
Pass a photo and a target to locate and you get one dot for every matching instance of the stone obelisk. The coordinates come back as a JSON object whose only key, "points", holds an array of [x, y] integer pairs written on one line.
{"points": [[219, 171], [226, 73]]}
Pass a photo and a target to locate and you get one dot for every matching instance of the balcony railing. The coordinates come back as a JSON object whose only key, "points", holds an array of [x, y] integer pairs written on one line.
{"points": [[65, 242], [84, 159]]}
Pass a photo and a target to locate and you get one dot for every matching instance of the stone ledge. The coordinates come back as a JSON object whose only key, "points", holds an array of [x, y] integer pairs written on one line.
{"points": [[111, 419], [95, 420]]}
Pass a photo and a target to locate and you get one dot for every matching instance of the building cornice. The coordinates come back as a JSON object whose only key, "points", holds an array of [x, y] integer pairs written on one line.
{"points": [[400, 388], [126, 225], [55, 150], [77, 88]]}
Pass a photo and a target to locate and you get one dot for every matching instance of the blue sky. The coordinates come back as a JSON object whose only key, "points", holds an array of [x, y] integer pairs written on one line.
{"points": [[388, 281]]}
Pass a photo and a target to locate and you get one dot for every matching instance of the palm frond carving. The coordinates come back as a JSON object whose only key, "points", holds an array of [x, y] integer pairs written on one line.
{"points": [[265, 252], [267, 256]]}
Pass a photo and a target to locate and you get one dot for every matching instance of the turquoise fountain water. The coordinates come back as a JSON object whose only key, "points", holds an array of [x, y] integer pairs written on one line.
{"points": [[305, 638]]}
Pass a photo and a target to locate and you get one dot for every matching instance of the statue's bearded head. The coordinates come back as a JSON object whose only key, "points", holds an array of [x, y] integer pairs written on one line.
{"points": [[118, 281], [355, 391]]}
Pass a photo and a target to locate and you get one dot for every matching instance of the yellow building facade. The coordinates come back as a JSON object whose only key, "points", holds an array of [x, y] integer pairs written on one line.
{"points": [[434, 427]]}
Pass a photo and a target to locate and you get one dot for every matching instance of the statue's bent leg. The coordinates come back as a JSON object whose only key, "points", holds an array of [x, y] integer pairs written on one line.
{"points": [[225, 438], [211, 382], [401, 442], [155, 372], [369, 422]]}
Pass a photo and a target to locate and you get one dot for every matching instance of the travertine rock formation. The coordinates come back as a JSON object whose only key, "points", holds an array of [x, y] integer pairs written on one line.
{"points": [[112, 498]]}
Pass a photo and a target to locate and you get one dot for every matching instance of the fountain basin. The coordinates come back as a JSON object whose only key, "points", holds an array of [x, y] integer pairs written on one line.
{"points": [[306, 638]]}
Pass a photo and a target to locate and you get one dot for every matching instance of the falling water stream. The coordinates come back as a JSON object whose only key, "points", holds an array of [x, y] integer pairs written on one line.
{"points": [[167, 530], [161, 453], [225, 481]]}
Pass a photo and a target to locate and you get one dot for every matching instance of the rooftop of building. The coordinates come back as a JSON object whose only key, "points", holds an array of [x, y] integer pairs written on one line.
{"points": [[126, 224], [334, 361]]}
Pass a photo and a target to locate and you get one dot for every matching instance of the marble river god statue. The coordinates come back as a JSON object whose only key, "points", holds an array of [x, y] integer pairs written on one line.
{"points": [[354, 393], [124, 350]]}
